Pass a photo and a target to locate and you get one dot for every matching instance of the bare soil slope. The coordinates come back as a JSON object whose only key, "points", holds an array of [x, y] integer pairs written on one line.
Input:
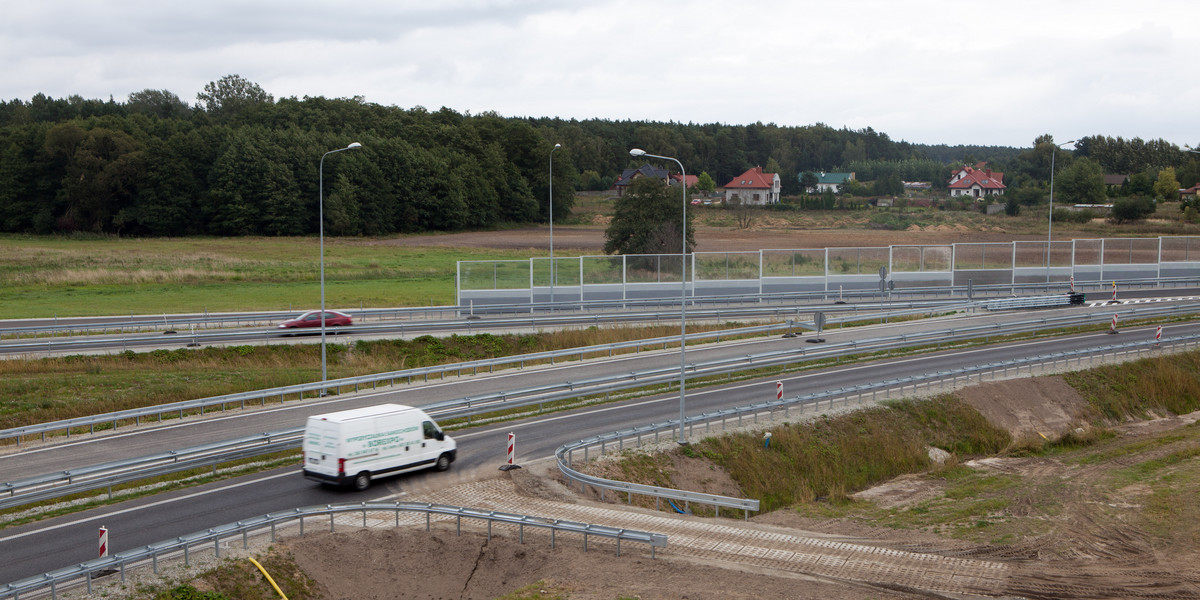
{"points": [[1092, 549]]}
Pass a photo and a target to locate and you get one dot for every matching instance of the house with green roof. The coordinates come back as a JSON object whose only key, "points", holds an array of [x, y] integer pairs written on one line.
{"points": [[829, 181]]}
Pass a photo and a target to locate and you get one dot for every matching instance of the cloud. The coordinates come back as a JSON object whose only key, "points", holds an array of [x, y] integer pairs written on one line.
{"points": [[919, 70]]}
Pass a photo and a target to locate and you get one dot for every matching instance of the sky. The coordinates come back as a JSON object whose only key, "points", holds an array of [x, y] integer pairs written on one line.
{"points": [[930, 72]]}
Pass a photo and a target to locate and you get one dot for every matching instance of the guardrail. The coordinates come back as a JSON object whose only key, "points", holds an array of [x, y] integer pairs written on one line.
{"points": [[44, 345], [217, 320], [450, 315], [87, 572], [106, 475], [201, 405], [60, 484], [1056, 300], [564, 455], [182, 408]]}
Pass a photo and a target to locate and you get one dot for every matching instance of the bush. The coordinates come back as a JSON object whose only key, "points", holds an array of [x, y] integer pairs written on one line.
{"points": [[1132, 209], [1066, 215], [1012, 207]]}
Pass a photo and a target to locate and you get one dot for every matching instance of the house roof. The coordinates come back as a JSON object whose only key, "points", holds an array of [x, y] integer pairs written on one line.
{"points": [[691, 179], [827, 178], [753, 178], [1115, 179], [645, 170], [986, 179]]}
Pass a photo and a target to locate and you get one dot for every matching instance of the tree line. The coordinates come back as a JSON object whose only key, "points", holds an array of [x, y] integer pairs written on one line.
{"points": [[240, 162]]}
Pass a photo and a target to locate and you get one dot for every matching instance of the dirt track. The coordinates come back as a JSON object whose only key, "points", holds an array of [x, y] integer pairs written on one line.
{"points": [[590, 239]]}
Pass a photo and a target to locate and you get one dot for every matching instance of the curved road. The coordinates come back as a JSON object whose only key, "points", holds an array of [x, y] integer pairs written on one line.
{"points": [[42, 546]]}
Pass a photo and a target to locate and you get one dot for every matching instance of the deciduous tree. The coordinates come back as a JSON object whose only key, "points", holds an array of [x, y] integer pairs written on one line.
{"points": [[230, 96], [648, 220], [1081, 183], [1166, 187]]}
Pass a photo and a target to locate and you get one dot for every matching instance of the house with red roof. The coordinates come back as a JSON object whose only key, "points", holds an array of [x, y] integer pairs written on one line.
{"points": [[754, 187], [976, 182], [692, 180]]}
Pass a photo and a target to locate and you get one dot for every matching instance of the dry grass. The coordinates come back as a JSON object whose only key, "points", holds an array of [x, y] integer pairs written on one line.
{"points": [[834, 456], [51, 389], [1148, 387]]}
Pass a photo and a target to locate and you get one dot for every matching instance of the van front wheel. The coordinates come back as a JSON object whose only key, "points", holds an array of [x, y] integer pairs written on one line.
{"points": [[443, 462], [362, 481]]}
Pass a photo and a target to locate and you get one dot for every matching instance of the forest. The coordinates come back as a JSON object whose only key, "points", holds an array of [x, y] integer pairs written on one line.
{"points": [[239, 162]]}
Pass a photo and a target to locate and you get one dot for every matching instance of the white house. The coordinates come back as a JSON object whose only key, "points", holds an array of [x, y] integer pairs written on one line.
{"points": [[976, 182], [754, 187]]}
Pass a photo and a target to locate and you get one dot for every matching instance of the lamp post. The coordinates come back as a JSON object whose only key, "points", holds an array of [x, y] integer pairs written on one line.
{"points": [[553, 271], [636, 153], [321, 234], [1050, 222]]}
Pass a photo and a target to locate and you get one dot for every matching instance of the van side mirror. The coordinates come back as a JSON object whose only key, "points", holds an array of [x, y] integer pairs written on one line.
{"points": [[439, 435]]}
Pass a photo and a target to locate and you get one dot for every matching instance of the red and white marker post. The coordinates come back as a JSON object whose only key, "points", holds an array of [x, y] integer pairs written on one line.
{"points": [[1114, 295], [1113, 328], [1158, 335], [103, 542], [779, 390], [512, 453]]}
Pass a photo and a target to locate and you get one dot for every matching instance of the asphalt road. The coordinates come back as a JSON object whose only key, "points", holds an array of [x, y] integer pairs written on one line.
{"points": [[53, 543]]}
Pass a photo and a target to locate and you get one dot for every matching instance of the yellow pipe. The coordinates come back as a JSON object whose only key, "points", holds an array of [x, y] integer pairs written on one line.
{"points": [[269, 580]]}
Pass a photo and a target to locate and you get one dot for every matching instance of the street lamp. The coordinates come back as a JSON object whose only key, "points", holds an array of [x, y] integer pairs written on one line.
{"points": [[1050, 223], [321, 232], [637, 153], [553, 271]]}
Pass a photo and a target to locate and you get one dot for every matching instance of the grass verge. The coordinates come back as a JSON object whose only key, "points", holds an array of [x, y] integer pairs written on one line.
{"points": [[1144, 479]]}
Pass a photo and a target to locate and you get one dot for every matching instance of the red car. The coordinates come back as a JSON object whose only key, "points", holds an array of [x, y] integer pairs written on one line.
{"points": [[312, 318]]}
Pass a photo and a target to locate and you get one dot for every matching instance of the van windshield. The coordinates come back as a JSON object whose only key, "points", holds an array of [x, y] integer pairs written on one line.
{"points": [[430, 430]]}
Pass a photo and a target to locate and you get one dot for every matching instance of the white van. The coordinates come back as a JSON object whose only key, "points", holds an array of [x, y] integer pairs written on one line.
{"points": [[352, 447]]}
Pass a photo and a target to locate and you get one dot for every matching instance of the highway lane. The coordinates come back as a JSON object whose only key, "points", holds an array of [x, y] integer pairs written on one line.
{"points": [[183, 337], [129, 442], [54, 543]]}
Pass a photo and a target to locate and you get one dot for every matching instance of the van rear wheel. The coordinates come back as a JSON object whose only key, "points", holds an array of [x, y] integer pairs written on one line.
{"points": [[362, 481], [443, 462]]}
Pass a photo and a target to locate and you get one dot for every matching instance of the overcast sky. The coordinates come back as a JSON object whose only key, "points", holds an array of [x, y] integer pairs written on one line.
{"points": [[993, 73]]}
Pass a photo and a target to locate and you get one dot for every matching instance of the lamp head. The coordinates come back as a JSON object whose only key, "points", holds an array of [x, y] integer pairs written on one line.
{"points": [[636, 152], [354, 146], [557, 146]]}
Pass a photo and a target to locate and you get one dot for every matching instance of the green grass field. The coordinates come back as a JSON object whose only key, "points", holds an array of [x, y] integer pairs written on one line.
{"points": [[91, 276]]}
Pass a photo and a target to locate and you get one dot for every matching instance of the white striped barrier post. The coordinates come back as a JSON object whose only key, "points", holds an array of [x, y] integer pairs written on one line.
{"points": [[1072, 284], [779, 390], [1113, 328], [1158, 335], [1114, 295], [103, 542], [512, 452]]}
